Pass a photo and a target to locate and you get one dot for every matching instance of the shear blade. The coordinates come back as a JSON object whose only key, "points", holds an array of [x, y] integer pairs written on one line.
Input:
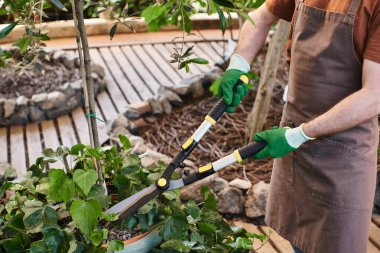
{"points": [[134, 202]]}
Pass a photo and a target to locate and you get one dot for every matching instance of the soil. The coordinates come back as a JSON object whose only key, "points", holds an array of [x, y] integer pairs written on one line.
{"points": [[33, 81], [122, 234], [169, 132]]}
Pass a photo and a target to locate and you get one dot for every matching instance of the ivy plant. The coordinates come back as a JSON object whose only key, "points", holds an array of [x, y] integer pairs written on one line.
{"points": [[64, 210]]}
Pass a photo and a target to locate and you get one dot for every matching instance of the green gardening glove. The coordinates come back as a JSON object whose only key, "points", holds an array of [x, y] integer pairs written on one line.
{"points": [[280, 141], [227, 84]]}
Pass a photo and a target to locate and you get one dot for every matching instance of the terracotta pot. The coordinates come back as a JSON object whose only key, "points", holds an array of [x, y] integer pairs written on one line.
{"points": [[142, 243]]}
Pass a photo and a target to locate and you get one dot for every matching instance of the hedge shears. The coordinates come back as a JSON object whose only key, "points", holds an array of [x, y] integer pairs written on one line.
{"points": [[129, 205]]}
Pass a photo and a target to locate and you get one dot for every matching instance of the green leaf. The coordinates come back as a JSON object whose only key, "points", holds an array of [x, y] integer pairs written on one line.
{"points": [[192, 209], [55, 240], [17, 244], [43, 188], [116, 245], [175, 226], [38, 216], [125, 142], [171, 195], [244, 243], [85, 179], [85, 214], [132, 222], [113, 30], [97, 192], [61, 186], [59, 5], [208, 198], [176, 245], [260, 237], [225, 3], [76, 247], [155, 16], [76, 149], [98, 236], [38, 247], [6, 30], [222, 19], [207, 228], [198, 61]]}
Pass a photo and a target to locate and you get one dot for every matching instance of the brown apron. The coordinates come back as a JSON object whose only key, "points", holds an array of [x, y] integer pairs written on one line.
{"points": [[321, 196]]}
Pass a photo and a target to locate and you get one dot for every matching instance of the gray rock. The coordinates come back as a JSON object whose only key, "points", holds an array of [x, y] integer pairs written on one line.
{"points": [[38, 98], [9, 107], [155, 105], [197, 89], [58, 55], [244, 185], [98, 70], [36, 114], [142, 107], [20, 117], [166, 106], [22, 101], [218, 184], [170, 95], [231, 200], [76, 85], [152, 157], [54, 99], [255, 203], [135, 125], [131, 113], [184, 87], [66, 89], [193, 191], [58, 111], [140, 148], [120, 122], [114, 135], [70, 60]]}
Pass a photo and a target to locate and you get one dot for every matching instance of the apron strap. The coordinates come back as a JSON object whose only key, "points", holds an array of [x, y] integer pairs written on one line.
{"points": [[354, 6]]}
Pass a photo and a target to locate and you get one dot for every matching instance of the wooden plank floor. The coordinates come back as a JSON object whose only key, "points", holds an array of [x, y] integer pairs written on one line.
{"points": [[277, 244], [134, 73]]}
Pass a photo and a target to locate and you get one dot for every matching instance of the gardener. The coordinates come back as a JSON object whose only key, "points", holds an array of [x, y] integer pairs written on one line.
{"points": [[321, 194]]}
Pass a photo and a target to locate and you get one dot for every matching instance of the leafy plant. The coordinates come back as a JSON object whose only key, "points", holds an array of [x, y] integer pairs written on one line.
{"points": [[57, 211]]}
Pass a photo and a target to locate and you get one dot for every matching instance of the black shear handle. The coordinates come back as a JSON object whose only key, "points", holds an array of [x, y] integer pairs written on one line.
{"points": [[220, 107], [245, 152]]}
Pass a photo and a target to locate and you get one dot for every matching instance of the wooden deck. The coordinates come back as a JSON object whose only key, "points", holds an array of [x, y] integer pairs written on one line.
{"points": [[277, 244], [134, 73]]}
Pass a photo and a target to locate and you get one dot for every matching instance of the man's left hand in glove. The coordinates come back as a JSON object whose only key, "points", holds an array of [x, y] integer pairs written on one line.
{"points": [[280, 141]]}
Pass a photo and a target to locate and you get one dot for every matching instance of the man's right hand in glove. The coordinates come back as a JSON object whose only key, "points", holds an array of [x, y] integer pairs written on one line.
{"points": [[238, 67]]}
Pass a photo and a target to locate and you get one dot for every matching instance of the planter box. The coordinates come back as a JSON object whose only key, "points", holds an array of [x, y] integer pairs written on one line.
{"points": [[98, 26]]}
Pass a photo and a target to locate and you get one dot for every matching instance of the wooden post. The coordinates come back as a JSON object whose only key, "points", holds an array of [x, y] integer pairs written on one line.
{"points": [[85, 68], [257, 117]]}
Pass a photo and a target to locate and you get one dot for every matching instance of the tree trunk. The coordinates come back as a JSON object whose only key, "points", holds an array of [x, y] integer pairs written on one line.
{"points": [[85, 68], [260, 110]]}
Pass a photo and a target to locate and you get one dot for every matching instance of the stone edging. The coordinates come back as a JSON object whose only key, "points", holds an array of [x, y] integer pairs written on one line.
{"points": [[144, 113], [51, 105]]}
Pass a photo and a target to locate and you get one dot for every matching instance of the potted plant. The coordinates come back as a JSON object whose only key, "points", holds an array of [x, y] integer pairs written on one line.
{"points": [[63, 210]]}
